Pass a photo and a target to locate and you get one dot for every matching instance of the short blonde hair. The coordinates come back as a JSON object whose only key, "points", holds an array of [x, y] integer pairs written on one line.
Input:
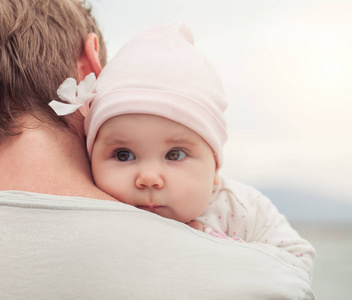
{"points": [[40, 42]]}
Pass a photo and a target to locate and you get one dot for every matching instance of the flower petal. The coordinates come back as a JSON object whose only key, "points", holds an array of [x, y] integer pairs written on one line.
{"points": [[85, 89], [63, 109], [67, 90], [87, 84]]}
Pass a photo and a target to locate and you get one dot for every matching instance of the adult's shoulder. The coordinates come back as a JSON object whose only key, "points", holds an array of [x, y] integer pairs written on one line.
{"points": [[66, 247]]}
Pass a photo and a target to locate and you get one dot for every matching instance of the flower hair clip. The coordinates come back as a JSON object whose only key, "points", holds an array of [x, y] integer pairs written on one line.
{"points": [[77, 96]]}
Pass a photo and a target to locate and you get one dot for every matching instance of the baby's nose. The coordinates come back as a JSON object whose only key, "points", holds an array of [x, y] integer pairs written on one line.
{"points": [[148, 179]]}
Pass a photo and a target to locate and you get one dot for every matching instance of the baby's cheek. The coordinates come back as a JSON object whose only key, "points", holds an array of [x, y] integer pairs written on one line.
{"points": [[205, 199], [198, 203], [119, 194], [109, 184]]}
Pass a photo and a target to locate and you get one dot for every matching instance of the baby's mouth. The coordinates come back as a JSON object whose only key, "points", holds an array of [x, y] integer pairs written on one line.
{"points": [[152, 208]]}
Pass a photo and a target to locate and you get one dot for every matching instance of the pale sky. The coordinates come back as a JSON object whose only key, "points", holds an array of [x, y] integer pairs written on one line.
{"points": [[286, 66]]}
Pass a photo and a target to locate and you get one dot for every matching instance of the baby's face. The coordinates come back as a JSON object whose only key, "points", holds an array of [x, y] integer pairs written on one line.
{"points": [[154, 164]]}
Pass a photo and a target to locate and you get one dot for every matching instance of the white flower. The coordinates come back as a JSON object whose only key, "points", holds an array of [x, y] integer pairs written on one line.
{"points": [[77, 96]]}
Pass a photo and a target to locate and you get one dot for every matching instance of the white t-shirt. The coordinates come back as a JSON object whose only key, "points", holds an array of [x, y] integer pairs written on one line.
{"points": [[55, 247]]}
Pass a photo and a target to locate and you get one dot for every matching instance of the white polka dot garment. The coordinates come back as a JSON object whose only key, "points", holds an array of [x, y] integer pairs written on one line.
{"points": [[245, 215]]}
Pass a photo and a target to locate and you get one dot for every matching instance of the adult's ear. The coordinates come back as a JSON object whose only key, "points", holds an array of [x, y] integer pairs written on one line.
{"points": [[89, 60]]}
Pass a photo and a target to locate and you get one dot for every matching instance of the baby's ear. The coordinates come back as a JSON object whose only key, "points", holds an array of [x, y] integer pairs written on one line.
{"points": [[216, 177]]}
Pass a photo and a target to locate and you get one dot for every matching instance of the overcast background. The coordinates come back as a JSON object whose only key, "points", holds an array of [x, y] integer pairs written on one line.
{"points": [[286, 66]]}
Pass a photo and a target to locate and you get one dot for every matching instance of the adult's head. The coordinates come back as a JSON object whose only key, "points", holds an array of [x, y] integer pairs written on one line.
{"points": [[42, 42]]}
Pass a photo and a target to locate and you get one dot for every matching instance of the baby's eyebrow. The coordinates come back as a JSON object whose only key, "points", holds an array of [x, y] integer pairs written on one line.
{"points": [[116, 141], [180, 141]]}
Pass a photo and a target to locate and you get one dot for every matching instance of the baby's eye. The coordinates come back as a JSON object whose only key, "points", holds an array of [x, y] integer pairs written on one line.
{"points": [[176, 154], [124, 155]]}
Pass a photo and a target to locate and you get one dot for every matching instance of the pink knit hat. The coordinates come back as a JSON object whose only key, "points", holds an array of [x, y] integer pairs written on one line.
{"points": [[159, 72]]}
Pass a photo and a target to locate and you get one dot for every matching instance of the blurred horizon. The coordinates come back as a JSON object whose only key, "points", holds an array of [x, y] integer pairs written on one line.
{"points": [[286, 68]]}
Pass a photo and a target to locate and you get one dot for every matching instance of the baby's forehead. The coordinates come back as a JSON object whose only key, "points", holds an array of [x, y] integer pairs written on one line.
{"points": [[139, 125], [141, 120]]}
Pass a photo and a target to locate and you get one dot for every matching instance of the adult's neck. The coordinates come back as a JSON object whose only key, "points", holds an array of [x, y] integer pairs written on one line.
{"points": [[49, 160]]}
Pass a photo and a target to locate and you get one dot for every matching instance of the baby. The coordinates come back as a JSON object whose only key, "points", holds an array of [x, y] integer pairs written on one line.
{"points": [[155, 134]]}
